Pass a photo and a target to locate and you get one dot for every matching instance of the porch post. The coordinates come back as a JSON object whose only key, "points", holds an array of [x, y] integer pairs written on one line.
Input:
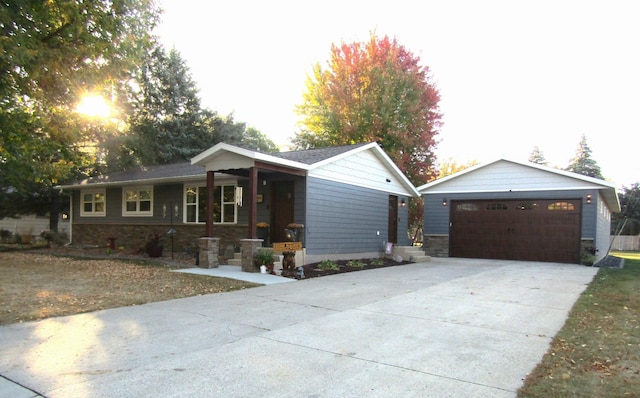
{"points": [[210, 186], [253, 202]]}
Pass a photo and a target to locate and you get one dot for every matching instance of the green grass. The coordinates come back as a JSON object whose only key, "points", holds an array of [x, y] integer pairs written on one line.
{"points": [[597, 352]]}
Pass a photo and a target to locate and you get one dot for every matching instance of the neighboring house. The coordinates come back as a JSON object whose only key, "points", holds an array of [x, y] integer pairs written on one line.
{"points": [[518, 211], [348, 201]]}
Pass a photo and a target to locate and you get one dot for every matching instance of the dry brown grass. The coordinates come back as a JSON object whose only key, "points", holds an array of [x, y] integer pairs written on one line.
{"points": [[36, 286]]}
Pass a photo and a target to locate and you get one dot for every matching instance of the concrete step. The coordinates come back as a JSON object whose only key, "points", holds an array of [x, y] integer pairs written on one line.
{"points": [[236, 260], [411, 253]]}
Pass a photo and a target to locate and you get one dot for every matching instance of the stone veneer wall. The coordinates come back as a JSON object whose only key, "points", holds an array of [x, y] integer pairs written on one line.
{"points": [[436, 245], [133, 237]]}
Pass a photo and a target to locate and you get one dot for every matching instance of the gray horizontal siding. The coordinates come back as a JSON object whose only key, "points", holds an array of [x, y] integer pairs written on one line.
{"points": [[343, 218]]}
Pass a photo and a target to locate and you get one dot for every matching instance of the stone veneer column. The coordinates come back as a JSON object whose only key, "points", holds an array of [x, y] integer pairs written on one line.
{"points": [[248, 249], [208, 250]]}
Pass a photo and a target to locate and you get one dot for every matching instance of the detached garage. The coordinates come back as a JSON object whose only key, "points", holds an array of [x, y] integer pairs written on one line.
{"points": [[518, 211]]}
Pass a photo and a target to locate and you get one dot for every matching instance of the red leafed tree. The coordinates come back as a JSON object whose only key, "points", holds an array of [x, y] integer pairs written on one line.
{"points": [[374, 91]]}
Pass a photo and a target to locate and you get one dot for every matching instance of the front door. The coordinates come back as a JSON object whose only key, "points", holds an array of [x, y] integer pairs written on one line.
{"points": [[393, 219], [282, 200]]}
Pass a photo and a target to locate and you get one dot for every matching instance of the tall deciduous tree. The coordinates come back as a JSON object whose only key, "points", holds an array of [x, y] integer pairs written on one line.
{"points": [[582, 163], [449, 166], [374, 91], [50, 52]]}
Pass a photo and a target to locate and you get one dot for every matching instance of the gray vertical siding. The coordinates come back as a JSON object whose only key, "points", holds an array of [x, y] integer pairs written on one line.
{"points": [[343, 218]]}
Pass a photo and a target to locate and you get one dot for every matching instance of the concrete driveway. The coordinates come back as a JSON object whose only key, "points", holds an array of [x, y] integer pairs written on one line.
{"points": [[448, 328]]}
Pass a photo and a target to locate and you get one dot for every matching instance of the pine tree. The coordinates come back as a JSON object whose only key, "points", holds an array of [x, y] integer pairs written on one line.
{"points": [[168, 123], [537, 157], [582, 163]]}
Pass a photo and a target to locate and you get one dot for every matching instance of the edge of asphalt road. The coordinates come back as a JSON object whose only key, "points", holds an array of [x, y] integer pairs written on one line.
{"points": [[450, 327]]}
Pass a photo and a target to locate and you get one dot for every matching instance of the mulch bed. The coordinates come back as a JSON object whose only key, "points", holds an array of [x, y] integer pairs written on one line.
{"points": [[313, 271]]}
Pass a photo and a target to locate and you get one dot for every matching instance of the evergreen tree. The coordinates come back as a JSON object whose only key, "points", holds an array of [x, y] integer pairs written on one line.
{"points": [[166, 119], [537, 157], [167, 123], [582, 163]]}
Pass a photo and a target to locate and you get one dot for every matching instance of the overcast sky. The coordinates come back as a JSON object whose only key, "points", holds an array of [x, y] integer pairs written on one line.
{"points": [[512, 74]]}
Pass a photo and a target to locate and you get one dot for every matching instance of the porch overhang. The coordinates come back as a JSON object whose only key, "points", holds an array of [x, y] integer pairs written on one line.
{"points": [[239, 161]]}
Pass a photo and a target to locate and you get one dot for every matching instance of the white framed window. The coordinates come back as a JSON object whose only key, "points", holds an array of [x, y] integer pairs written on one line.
{"points": [[137, 201], [225, 205], [93, 203]]}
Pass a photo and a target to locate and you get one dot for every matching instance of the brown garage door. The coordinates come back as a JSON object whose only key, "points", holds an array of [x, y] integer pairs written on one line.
{"points": [[529, 230]]}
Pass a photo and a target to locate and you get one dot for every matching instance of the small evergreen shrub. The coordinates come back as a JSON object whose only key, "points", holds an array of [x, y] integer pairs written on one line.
{"points": [[328, 265]]}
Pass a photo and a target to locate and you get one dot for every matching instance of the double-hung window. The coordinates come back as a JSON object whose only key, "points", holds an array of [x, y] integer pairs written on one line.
{"points": [[93, 203], [224, 204], [137, 201]]}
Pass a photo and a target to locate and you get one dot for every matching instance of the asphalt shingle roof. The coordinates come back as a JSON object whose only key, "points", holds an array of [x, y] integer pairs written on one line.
{"points": [[174, 170], [311, 156], [186, 169]]}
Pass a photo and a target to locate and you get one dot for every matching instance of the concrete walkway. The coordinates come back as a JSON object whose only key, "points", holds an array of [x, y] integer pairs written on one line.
{"points": [[448, 328]]}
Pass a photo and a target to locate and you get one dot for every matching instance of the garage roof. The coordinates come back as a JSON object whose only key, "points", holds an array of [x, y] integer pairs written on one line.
{"points": [[504, 175]]}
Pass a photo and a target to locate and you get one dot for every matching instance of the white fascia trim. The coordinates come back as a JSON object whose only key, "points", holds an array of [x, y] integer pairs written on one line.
{"points": [[440, 192], [390, 191], [597, 181], [147, 181]]}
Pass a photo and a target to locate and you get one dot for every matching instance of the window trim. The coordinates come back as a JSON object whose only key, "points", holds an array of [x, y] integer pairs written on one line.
{"points": [[199, 186], [137, 212], [93, 192]]}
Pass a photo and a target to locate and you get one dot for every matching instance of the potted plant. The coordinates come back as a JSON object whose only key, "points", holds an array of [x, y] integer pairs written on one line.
{"points": [[262, 231], [153, 247], [588, 257], [264, 258]]}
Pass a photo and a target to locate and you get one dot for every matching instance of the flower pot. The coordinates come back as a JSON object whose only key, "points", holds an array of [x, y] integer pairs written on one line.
{"points": [[155, 251], [263, 269]]}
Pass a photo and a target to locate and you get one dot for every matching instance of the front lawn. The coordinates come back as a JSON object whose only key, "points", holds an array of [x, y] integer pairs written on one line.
{"points": [[597, 352], [36, 286]]}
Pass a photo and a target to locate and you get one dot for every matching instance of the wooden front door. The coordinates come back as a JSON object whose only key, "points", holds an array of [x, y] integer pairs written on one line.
{"points": [[282, 201], [393, 219]]}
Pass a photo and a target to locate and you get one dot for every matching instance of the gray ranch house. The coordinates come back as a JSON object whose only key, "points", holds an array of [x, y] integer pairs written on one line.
{"points": [[341, 202], [518, 211]]}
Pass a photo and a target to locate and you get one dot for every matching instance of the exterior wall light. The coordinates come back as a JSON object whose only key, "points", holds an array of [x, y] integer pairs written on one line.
{"points": [[403, 203], [589, 199], [444, 201]]}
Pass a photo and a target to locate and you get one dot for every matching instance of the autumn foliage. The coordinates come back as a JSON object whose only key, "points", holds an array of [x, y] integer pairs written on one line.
{"points": [[374, 91]]}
